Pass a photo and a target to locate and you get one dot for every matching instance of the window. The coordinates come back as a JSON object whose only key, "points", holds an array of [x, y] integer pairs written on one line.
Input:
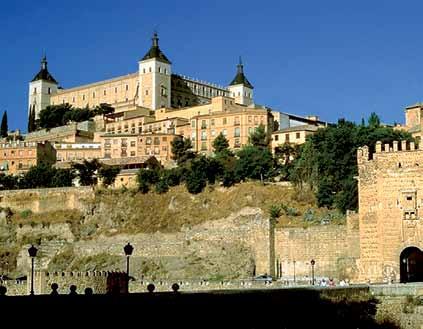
{"points": [[250, 130], [192, 123], [225, 121], [237, 132], [250, 119], [203, 124], [93, 95], [143, 70], [203, 135], [203, 146], [83, 97], [160, 69], [236, 121], [193, 136], [132, 143], [276, 137], [165, 71], [127, 87], [148, 141], [132, 153], [35, 90], [73, 99], [115, 90], [286, 138], [164, 139], [213, 133], [104, 92], [237, 143], [49, 90], [149, 69], [224, 132], [156, 140], [146, 92], [297, 135], [212, 122]]}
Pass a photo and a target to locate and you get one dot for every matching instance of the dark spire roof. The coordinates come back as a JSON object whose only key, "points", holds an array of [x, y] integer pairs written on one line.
{"points": [[240, 78], [155, 51], [44, 74]]}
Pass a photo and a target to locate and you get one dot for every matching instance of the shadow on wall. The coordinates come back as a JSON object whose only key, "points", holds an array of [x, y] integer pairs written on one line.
{"points": [[288, 308]]}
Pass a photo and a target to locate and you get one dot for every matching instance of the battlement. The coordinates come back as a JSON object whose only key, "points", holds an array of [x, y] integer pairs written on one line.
{"points": [[363, 153]]}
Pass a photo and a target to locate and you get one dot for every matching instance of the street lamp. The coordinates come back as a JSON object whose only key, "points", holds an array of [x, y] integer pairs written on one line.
{"points": [[312, 262], [32, 251], [128, 249]]}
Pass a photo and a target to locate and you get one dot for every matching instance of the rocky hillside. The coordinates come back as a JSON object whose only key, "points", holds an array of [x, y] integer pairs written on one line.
{"points": [[176, 234]]}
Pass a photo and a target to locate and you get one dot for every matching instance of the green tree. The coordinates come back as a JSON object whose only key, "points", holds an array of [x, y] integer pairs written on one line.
{"points": [[54, 116], [103, 109], [4, 127], [162, 186], [38, 176], [62, 178], [86, 171], [182, 150], [259, 137], [196, 179], [374, 120], [173, 176], [31, 120], [147, 177], [328, 160], [221, 144], [108, 174], [254, 162]]}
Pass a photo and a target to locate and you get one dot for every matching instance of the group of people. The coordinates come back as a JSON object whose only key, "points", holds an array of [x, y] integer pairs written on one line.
{"points": [[331, 282], [72, 290]]}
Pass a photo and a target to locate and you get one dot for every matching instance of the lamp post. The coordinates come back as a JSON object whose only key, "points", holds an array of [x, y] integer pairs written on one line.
{"points": [[32, 251], [128, 249], [294, 273], [312, 262]]}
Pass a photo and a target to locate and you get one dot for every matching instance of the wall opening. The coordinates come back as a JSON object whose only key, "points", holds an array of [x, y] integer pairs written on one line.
{"points": [[411, 265]]}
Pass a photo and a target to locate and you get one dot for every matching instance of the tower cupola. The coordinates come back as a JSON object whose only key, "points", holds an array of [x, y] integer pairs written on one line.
{"points": [[240, 88]]}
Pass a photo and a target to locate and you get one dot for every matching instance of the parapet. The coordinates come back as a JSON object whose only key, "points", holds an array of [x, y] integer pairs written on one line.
{"points": [[363, 153]]}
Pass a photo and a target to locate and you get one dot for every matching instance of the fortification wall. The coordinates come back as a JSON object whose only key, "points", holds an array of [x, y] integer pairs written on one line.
{"points": [[390, 186], [46, 199], [247, 232], [334, 248]]}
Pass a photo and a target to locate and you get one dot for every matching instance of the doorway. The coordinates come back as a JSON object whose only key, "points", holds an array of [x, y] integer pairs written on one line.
{"points": [[411, 265]]}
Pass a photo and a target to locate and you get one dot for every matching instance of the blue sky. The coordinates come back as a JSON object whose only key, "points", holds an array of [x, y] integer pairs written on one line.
{"points": [[329, 58]]}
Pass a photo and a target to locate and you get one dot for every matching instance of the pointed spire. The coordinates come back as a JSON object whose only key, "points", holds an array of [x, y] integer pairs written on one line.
{"points": [[44, 62], [240, 78], [240, 67], [155, 51], [44, 74], [155, 39]]}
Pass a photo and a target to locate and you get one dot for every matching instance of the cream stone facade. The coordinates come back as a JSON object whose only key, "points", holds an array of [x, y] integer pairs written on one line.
{"points": [[66, 152], [390, 184], [294, 135], [18, 157]]}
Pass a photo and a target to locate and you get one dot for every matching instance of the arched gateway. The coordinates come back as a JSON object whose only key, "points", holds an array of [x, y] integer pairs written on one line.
{"points": [[411, 265]]}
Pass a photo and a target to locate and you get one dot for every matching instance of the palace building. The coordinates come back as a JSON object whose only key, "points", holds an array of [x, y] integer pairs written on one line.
{"points": [[154, 86]]}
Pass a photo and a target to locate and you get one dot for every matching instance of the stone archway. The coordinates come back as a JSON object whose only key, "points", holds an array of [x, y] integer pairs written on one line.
{"points": [[411, 265]]}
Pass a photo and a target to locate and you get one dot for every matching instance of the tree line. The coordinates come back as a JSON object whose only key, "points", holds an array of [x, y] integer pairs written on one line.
{"points": [[59, 115]]}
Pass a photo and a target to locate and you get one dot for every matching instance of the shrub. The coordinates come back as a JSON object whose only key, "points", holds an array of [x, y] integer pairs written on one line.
{"points": [[275, 211], [25, 213], [161, 186]]}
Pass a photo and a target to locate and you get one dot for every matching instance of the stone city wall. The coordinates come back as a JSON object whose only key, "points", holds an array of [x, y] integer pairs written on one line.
{"points": [[334, 248], [46, 199], [390, 201]]}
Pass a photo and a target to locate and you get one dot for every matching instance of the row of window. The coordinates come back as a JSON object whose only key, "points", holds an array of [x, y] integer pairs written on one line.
{"points": [[239, 94], [236, 121], [20, 153], [94, 95], [297, 136]]}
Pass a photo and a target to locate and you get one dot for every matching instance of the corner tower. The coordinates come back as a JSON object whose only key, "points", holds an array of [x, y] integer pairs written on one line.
{"points": [[40, 89], [240, 88], [154, 78]]}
